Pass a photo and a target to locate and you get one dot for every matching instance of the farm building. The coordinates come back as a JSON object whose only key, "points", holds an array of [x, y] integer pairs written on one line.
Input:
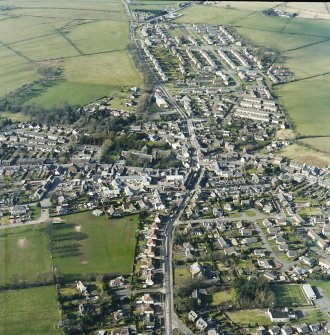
{"points": [[308, 290]]}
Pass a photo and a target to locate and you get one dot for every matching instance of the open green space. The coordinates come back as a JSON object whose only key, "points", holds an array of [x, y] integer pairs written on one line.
{"points": [[89, 38], [81, 85], [288, 295], [31, 311], [181, 276], [87, 244], [222, 297], [211, 15], [100, 36], [251, 316], [15, 71], [24, 255], [72, 92], [302, 155]]}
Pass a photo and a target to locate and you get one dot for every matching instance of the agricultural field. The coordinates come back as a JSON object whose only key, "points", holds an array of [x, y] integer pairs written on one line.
{"points": [[89, 40], [289, 295], [18, 245], [154, 4], [302, 45], [87, 244], [35, 314], [301, 154]]}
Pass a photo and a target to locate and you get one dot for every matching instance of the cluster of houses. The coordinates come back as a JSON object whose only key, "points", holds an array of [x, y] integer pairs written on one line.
{"points": [[152, 235]]}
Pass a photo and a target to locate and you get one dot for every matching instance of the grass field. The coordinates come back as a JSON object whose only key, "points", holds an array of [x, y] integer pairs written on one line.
{"points": [[30, 311], [87, 244], [289, 295], [90, 39], [302, 155], [15, 71], [23, 254], [251, 316]]}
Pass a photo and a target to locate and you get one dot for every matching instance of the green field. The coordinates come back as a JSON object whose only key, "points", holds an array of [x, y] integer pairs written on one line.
{"points": [[222, 296], [87, 244], [89, 39], [30, 311], [24, 254], [289, 295], [302, 45], [302, 155], [251, 316]]}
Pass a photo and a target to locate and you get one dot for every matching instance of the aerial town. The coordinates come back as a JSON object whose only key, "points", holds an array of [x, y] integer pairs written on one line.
{"points": [[231, 237]]}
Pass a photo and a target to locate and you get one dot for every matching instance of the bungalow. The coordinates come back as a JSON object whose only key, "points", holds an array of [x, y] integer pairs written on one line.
{"points": [[192, 316], [302, 329], [278, 315], [201, 324], [287, 330], [324, 263], [275, 330], [81, 287], [117, 282], [18, 210], [271, 276], [264, 263], [147, 299], [97, 212], [259, 252]]}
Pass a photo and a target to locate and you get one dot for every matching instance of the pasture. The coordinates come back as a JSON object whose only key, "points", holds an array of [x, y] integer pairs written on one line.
{"points": [[289, 295], [31, 311], [309, 112], [89, 39], [86, 244], [24, 255]]}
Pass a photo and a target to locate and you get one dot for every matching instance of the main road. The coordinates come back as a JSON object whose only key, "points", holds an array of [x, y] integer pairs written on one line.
{"points": [[170, 317]]}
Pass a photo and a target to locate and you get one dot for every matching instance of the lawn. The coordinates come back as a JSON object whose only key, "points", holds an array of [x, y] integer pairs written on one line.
{"points": [[223, 296], [30, 311], [251, 316], [181, 276], [288, 295], [24, 254], [87, 244], [251, 213]]}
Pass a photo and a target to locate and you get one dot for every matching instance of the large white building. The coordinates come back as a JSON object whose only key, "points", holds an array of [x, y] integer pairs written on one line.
{"points": [[309, 292]]}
